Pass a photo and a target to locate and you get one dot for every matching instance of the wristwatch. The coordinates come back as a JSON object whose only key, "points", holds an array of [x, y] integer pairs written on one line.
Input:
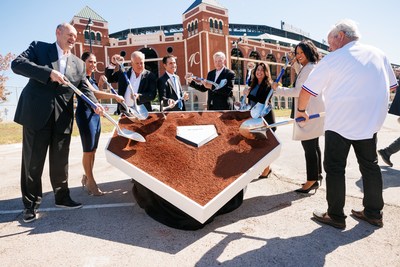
{"points": [[301, 110]]}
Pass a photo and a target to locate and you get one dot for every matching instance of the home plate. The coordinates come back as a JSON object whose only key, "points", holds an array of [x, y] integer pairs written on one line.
{"points": [[196, 135]]}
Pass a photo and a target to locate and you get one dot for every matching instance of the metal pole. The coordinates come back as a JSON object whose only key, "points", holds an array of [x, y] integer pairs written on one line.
{"points": [[90, 39]]}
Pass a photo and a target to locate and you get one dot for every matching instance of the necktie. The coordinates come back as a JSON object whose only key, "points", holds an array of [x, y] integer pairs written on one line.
{"points": [[180, 105]]}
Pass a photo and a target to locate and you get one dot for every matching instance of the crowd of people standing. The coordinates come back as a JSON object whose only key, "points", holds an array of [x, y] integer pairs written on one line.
{"points": [[347, 83]]}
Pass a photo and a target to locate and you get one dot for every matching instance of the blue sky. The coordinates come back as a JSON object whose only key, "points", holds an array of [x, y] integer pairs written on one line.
{"points": [[24, 20]]}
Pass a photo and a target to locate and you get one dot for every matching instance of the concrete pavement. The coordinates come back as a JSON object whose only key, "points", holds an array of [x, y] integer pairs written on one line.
{"points": [[271, 228]]}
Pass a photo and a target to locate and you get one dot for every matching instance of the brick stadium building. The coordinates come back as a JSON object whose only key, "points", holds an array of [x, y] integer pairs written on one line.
{"points": [[205, 29]]}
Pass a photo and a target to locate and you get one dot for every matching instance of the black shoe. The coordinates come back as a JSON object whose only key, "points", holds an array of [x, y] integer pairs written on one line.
{"points": [[314, 186], [323, 217], [385, 157], [319, 179], [360, 215], [68, 203], [29, 215]]}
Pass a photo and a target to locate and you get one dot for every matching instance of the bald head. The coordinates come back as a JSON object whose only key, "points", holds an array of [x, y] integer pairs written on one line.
{"points": [[66, 36]]}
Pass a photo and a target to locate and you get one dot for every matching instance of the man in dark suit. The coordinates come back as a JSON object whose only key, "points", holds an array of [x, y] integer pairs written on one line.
{"points": [[170, 88], [143, 82], [221, 99], [45, 110]]}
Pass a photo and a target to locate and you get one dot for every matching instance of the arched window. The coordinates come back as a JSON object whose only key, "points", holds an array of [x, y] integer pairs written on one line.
{"points": [[189, 28], [192, 26], [220, 25], [86, 35], [98, 37], [254, 55], [92, 36], [216, 24], [211, 24], [195, 25], [237, 65]]}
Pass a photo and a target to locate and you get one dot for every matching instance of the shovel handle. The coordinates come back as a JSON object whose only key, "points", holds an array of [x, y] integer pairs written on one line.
{"points": [[82, 95], [313, 116]]}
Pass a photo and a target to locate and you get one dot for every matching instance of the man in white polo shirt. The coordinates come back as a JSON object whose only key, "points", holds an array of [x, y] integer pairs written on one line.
{"points": [[354, 80]]}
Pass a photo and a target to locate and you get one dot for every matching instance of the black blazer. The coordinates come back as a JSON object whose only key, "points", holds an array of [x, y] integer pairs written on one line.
{"points": [[41, 97], [221, 99], [147, 87], [166, 91], [260, 97]]}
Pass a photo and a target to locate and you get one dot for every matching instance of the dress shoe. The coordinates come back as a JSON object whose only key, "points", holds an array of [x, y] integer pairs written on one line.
{"points": [[360, 215], [385, 157], [94, 190], [314, 186], [323, 217], [68, 203], [29, 215]]}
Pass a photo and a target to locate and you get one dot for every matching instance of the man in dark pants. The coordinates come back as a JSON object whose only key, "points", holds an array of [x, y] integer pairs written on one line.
{"points": [[221, 99], [394, 147], [45, 110], [354, 80]]}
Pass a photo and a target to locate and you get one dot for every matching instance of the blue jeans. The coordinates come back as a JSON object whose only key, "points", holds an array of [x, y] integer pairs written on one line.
{"points": [[336, 151]]}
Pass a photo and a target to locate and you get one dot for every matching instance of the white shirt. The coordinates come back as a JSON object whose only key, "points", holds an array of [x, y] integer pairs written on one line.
{"points": [[135, 82], [62, 59], [354, 81], [217, 73]]}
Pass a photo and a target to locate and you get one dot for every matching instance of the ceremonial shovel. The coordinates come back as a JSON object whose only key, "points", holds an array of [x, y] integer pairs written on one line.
{"points": [[253, 128], [122, 132], [260, 110], [128, 112], [221, 84]]}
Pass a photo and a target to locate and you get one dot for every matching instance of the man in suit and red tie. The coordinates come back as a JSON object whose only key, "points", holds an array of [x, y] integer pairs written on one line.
{"points": [[46, 111], [221, 99], [169, 87], [143, 81]]}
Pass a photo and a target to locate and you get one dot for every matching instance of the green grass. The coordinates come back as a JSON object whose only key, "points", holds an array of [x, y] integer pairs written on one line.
{"points": [[11, 132]]}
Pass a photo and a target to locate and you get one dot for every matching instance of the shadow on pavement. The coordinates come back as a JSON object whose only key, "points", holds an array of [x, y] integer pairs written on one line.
{"points": [[130, 224]]}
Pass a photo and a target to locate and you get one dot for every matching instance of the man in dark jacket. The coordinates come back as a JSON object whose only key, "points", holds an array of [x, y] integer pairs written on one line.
{"points": [[221, 99], [45, 110], [143, 82]]}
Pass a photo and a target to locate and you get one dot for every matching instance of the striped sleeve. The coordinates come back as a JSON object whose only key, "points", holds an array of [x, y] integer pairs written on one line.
{"points": [[308, 90]]}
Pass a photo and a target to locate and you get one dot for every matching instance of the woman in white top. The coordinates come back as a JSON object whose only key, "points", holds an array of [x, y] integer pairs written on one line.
{"points": [[307, 55]]}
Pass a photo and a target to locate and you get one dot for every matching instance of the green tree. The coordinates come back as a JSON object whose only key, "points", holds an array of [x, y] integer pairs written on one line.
{"points": [[4, 65]]}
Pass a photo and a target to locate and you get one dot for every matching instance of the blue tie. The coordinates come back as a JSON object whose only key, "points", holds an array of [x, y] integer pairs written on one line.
{"points": [[180, 105]]}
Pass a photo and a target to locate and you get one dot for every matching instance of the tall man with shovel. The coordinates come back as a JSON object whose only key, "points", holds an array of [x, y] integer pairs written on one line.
{"points": [[45, 110]]}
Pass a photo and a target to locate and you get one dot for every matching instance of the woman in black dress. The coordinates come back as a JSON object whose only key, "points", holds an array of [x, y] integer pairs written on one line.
{"points": [[89, 124]]}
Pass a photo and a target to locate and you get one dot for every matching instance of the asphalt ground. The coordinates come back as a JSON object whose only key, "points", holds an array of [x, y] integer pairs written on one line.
{"points": [[273, 227]]}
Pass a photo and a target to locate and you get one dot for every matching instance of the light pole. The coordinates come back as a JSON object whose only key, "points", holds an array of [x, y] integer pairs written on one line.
{"points": [[88, 25]]}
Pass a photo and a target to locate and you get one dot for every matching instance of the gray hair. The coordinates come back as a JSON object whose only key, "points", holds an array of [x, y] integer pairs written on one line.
{"points": [[348, 27], [219, 54], [138, 54]]}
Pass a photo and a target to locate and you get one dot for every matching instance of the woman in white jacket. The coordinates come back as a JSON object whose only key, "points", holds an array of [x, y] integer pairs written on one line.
{"points": [[307, 55]]}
